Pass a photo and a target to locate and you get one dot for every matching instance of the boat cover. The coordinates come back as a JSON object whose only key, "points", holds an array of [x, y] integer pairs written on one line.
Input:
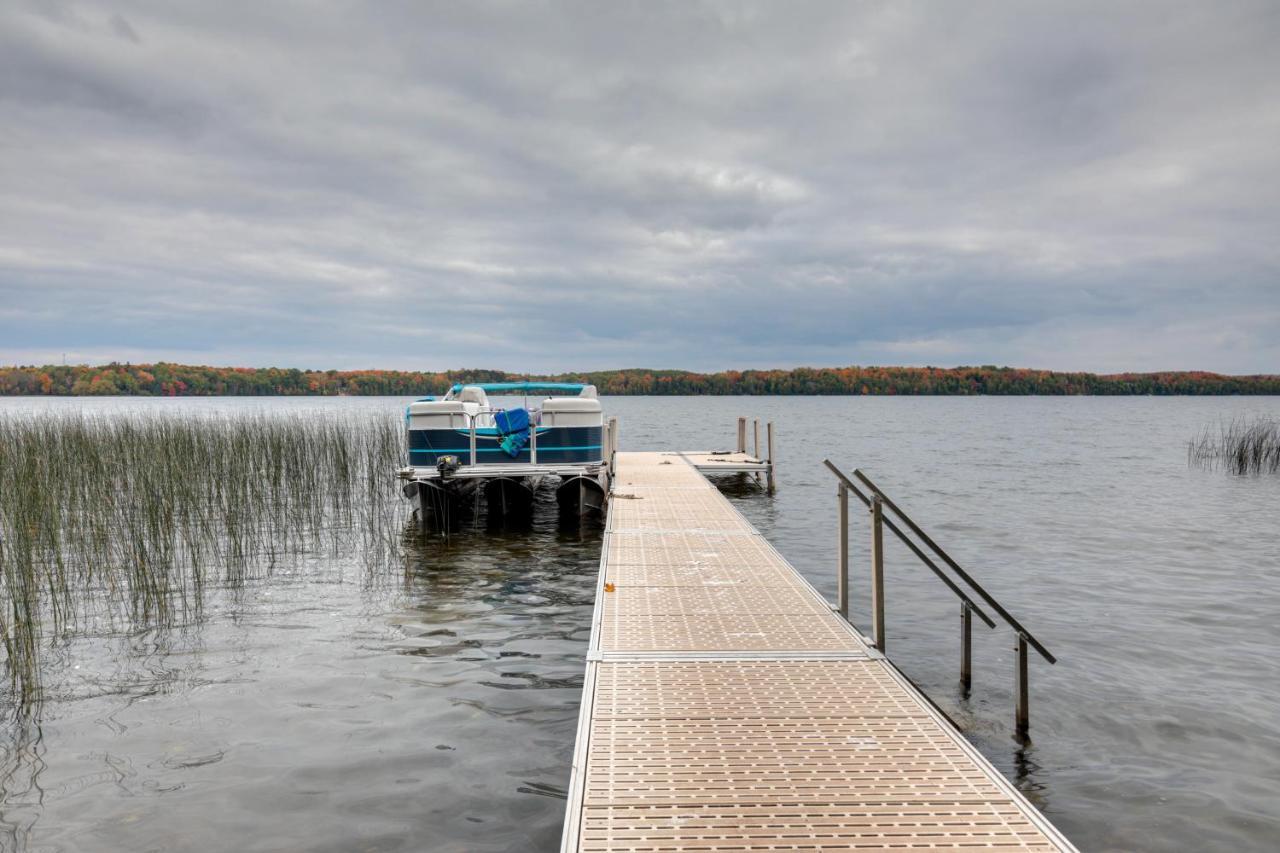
{"points": [[513, 426]]}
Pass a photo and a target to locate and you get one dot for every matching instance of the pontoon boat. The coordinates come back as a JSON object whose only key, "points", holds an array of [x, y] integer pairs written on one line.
{"points": [[462, 448]]}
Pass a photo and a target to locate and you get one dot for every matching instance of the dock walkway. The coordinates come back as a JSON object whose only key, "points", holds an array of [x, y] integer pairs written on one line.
{"points": [[727, 707]]}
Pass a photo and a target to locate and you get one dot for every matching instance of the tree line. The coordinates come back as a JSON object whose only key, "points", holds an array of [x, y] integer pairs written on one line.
{"points": [[179, 380]]}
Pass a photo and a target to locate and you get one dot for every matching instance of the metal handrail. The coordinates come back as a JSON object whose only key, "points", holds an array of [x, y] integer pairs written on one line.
{"points": [[914, 548], [875, 503], [965, 576]]}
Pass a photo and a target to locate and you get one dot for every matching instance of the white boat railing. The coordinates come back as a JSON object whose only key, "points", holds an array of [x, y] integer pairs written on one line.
{"points": [[473, 437], [608, 447]]}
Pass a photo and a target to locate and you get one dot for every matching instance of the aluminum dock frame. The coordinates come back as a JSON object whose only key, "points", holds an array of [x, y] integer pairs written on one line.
{"points": [[727, 707]]}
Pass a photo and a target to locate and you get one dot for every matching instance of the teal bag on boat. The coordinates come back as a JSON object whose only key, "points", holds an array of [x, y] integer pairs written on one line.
{"points": [[513, 427]]}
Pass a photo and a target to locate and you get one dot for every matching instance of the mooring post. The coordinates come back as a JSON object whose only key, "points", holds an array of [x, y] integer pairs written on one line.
{"points": [[756, 430], [613, 441], [533, 444], [877, 572], [742, 435], [473, 439], [1023, 713], [842, 554], [769, 469], [966, 647]]}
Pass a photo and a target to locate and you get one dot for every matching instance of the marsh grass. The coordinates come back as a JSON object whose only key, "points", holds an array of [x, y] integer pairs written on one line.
{"points": [[1242, 446], [120, 523]]}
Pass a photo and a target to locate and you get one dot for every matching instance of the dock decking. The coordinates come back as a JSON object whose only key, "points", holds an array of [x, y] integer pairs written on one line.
{"points": [[725, 462], [727, 707]]}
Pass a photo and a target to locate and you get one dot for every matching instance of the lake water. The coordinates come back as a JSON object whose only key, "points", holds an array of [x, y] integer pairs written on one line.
{"points": [[433, 706]]}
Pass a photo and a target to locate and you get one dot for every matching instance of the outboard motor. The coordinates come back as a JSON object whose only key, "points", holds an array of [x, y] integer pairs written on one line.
{"points": [[447, 466]]}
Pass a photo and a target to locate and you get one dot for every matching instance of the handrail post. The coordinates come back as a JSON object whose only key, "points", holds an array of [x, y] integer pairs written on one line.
{"points": [[842, 554], [769, 471], [613, 442], [742, 435], [875, 502], [1023, 712], [955, 567], [877, 572]]}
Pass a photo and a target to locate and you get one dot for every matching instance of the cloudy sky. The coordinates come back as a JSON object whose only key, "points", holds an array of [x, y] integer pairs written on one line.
{"points": [[544, 186]]}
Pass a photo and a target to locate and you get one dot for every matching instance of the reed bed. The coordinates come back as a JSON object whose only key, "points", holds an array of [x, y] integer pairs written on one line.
{"points": [[122, 522], [1242, 446]]}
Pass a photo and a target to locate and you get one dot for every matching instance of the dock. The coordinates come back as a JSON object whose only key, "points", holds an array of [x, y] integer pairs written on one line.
{"points": [[727, 706], [738, 461]]}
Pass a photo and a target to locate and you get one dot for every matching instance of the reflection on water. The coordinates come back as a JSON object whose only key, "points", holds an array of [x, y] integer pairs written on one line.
{"points": [[326, 707], [1156, 584], [432, 704]]}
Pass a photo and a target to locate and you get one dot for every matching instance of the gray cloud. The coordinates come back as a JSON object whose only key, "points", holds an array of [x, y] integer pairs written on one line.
{"points": [[705, 185]]}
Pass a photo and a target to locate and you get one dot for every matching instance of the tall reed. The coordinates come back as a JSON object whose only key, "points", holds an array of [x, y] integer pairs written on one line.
{"points": [[1242, 446], [119, 522]]}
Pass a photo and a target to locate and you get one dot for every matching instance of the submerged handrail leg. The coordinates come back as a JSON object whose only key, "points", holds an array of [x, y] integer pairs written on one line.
{"points": [[966, 647], [877, 572], [842, 554], [1023, 691]]}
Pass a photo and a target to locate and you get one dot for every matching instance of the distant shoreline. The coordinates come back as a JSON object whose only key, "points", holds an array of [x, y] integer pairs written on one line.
{"points": [[177, 380]]}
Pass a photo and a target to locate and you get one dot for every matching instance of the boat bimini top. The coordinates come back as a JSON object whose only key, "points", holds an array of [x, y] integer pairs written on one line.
{"points": [[578, 389]]}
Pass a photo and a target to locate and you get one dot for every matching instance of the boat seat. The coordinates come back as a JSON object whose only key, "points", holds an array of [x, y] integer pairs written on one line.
{"points": [[472, 394], [434, 407], [571, 411], [438, 414]]}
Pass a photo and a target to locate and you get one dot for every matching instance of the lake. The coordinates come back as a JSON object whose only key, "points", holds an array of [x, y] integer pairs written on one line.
{"points": [[433, 705]]}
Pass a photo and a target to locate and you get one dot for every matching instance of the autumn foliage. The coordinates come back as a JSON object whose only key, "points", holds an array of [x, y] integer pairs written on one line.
{"points": [[177, 380]]}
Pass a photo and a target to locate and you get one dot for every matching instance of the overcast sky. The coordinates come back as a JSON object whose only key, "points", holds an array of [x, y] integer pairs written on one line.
{"points": [[537, 186]]}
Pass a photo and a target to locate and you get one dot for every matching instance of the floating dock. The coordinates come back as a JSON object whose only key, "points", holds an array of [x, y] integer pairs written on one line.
{"points": [[727, 707]]}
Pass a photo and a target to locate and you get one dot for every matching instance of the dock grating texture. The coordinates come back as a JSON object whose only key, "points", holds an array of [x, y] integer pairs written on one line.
{"points": [[909, 826], [715, 599], [726, 707], [778, 690], [692, 632]]}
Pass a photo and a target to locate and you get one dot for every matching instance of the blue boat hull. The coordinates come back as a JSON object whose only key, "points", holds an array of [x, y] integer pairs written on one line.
{"points": [[555, 445]]}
